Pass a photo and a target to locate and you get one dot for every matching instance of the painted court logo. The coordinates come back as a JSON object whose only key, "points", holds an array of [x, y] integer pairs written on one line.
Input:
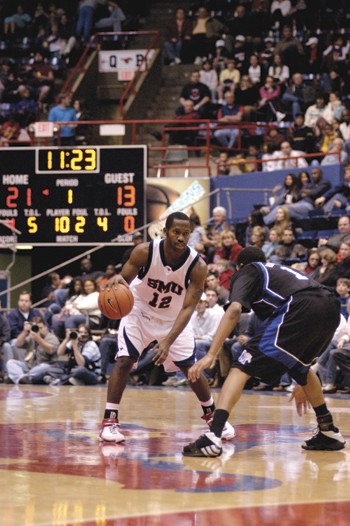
{"points": [[245, 357]]}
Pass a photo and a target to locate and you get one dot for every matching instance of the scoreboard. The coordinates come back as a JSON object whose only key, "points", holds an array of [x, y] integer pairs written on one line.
{"points": [[60, 195]]}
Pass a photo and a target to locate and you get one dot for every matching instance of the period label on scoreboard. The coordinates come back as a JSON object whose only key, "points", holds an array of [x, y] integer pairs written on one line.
{"points": [[87, 195]]}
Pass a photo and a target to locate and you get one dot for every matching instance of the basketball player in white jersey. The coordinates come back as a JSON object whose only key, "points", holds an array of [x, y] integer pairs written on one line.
{"points": [[167, 279]]}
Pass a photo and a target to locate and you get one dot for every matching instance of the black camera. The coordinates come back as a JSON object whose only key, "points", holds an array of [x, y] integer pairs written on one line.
{"points": [[34, 328], [73, 335]]}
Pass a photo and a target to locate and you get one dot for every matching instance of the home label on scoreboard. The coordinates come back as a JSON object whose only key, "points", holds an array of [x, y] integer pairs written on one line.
{"points": [[61, 195]]}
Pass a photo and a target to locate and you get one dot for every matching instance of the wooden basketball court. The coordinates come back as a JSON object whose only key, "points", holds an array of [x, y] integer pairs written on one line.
{"points": [[54, 472]]}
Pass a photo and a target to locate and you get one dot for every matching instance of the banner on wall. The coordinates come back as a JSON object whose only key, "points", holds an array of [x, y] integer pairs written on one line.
{"points": [[124, 62], [173, 194]]}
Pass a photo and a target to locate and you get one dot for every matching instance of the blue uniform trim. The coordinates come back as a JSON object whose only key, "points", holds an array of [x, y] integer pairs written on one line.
{"points": [[143, 271], [270, 348], [133, 352], [190, 268]]}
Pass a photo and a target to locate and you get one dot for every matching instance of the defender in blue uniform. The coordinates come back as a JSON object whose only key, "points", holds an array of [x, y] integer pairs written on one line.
{"points": [[299, 320]]}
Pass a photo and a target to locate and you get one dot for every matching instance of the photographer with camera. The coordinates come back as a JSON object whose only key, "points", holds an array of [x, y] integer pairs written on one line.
{"points": [[79, 359], [40, 346]]}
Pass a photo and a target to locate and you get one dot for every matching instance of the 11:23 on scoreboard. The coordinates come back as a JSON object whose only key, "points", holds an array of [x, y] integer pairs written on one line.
{"points": [[85, 195]]}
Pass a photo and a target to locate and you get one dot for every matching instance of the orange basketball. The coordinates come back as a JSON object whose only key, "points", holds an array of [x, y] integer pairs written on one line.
{"points": [[116, 302]]}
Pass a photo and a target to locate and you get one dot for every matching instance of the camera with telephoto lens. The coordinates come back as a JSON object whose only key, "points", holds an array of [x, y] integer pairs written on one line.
{"points": [[34, 328], [73, 335]]}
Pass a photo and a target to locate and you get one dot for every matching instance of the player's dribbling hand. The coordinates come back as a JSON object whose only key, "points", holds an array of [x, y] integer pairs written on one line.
{"points": [[301, 401], [115, 280], [207, 362]]}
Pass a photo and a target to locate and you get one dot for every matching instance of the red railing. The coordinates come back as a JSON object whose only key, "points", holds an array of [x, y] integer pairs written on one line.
{"points": [[205, 148], [94, 44]]}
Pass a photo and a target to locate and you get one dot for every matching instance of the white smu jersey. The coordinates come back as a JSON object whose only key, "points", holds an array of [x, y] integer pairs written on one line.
{"points": [[159, 290]]}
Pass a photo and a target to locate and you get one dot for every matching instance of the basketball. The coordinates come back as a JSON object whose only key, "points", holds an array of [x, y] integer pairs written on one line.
{"points": [[115, 302]]}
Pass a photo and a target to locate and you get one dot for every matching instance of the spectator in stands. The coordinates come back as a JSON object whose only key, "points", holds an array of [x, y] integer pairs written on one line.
{"points": [[228, 247], [269, 94], [204, 322], [9, 131], [255, 70], [298, 95], [177, 37], [258, 237], [229, 114], [53, 282], [344, 128], [291, 50], [301, 136], [343, 291], [87, 269], [316, 113], [312, 263], [313, 59], [198, 236], [220, 56], [336, 153], [278, 70], [187, 134], [280, 11], [325, 137], [247, 95], [64, 112], [109, 272], [67, 34], [16, 22], [223, 163], [343, 264], [83, 132], [287, 158], [114, 21], [5, 347], [40, 347], [335, 240], [16, 318], [26, 108], [341, 357], [270, 246], [325, 366], [282, 221], [288, 195], [266, 55], [239, 52], [63, 305], [212, 299], [206, 31], [228, 79], [85, 20], [209, 77], [80, 359], [212, 283], [327, 274], [309, 193], [337, 196], [40, 77], [198, 93], [334, 108]]}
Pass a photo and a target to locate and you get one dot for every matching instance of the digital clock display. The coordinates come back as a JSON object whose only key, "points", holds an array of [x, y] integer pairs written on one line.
{"points": [[68, 160], [67, 195]]}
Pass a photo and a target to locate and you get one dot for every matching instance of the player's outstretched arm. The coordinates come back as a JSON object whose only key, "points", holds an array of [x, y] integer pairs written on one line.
{"points": [[226, 326]]}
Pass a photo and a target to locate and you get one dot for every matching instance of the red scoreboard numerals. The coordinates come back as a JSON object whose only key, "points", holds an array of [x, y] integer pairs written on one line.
{"points": [[13, 194], [126, 195]]}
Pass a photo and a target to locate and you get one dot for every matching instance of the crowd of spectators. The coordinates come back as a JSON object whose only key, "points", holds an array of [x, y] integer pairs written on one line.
{"points": [[40, 41], [284, 63], [68, 341]]}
